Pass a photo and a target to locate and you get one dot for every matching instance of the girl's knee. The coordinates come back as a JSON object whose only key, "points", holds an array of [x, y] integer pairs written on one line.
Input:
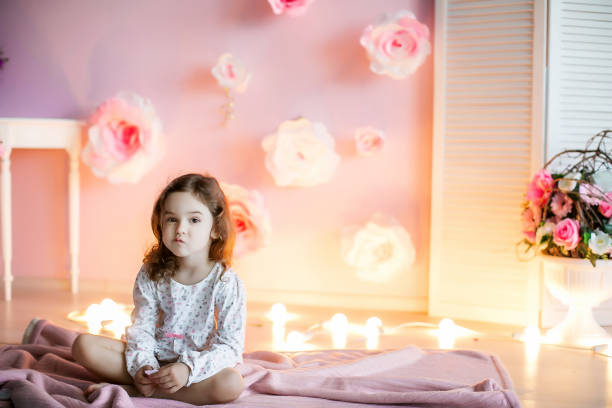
{"points": [[227, 386], [82, 344]]}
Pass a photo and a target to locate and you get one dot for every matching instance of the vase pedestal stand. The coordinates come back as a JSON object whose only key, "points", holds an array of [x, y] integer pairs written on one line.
{"points": [[580, 286]]}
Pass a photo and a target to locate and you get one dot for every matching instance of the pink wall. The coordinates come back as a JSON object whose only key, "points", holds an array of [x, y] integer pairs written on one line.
{"points": [[67, 56]]}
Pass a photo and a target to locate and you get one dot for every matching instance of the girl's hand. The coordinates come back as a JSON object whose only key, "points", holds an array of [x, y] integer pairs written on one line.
{"points": [[143, 383], [172, 377]]}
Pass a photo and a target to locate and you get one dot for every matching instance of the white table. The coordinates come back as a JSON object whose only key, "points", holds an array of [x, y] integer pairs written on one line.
{"points": [[18, 133]]}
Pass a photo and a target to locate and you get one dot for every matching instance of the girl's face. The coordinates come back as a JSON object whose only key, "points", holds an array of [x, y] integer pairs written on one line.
{"points": [[186, 225]]}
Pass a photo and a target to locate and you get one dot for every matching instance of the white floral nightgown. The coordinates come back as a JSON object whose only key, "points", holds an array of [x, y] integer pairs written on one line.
{"points": [[186, 331]]}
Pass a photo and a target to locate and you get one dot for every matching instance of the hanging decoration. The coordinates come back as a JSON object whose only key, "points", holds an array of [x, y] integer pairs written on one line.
{"points": [[250, 218], [292, 8], [397, 45], [300, 154], [369, 140], [379, 250], [124, 139], [3, 60], [232, 75]]}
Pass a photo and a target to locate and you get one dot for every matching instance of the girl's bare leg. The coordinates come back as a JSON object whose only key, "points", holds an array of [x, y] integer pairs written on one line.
{"points": [[225, 386], [103, 356]]}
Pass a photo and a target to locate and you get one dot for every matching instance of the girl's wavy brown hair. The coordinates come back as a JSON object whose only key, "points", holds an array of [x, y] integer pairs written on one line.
{"points": [[159, 261]]}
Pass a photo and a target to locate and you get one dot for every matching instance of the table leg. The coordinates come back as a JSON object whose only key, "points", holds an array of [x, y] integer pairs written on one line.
{"points": [[73, 210], [7, 243]]}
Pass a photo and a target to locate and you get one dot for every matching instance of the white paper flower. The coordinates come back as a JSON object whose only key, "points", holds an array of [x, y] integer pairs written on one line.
{"points": [[124, 139], [369, 140], [301, 153], [250, 218], [600, 242], [231, 73], [378, 250], [547, 229], [397, 45], [568, 183]]}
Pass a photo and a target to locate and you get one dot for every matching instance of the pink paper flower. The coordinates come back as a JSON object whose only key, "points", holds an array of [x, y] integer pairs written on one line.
{"points": [[231, 73], [378, 250], [567, 234], [301, 153], [250, 218], [605, 206], [531, 218], [369, 140], [561, 205], [397, 45], [540, 188], [292, 8], [124, 139]]}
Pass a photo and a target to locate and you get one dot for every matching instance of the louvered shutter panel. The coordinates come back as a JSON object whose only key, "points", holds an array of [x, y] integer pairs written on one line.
{"points": [[486, 144], [579, 95], [580, 72]]}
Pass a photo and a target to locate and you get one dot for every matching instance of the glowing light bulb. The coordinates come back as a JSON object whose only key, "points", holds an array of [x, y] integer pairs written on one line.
{"points": [[339, 329], [278, 315], [447, 333], [372, 331], [295, 340]]}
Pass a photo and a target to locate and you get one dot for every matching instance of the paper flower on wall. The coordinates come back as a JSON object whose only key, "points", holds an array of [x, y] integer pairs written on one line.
{"points": [[301, 153], [250, 218], [232, 75], [290, 7], [378, 250], [397, 45], [369, 140], [124, 139]]}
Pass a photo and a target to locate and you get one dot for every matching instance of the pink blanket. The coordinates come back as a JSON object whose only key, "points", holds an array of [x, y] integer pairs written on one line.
{"points": [[43, 374]]}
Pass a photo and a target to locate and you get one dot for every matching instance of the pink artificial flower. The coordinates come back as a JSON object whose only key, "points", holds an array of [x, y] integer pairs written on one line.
{"points": [[369, 140], [567, 234], [590, 193], [605, 206], [540, 188], [124, 138], [561, 205], [293, 8], [250, 218], [231, 73], [397, 45], [531, 218]]}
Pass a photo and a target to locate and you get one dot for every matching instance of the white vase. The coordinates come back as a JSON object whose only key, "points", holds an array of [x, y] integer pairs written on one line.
{"points": [[580, 286]]}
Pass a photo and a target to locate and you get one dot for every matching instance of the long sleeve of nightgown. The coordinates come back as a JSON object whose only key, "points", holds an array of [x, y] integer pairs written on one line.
{"points": [[140, 350], [227, 343]]}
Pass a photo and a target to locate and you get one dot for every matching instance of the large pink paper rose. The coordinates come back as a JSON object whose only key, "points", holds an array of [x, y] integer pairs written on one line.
{"points": [[567, 234], [531, 218], [290, 7], [249, 216], [124, 139], [540, 188], [231, 73], [378, 250], [301, 153], [369, 140], [397, 45], [605, 205]]}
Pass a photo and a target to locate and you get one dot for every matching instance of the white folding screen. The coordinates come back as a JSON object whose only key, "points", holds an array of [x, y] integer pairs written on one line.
{"points": [[579, 95], [488, 133], [580, 72]]}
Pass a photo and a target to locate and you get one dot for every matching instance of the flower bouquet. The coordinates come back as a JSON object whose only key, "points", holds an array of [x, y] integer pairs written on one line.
{"points": [[569, 203]]}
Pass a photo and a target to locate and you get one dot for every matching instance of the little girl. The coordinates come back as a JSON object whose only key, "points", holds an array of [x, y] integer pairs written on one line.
{"points": [[190, 308]]}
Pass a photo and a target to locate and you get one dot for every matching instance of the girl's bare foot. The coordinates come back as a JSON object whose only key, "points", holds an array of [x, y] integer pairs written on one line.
{"points": [[93, 387]]}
